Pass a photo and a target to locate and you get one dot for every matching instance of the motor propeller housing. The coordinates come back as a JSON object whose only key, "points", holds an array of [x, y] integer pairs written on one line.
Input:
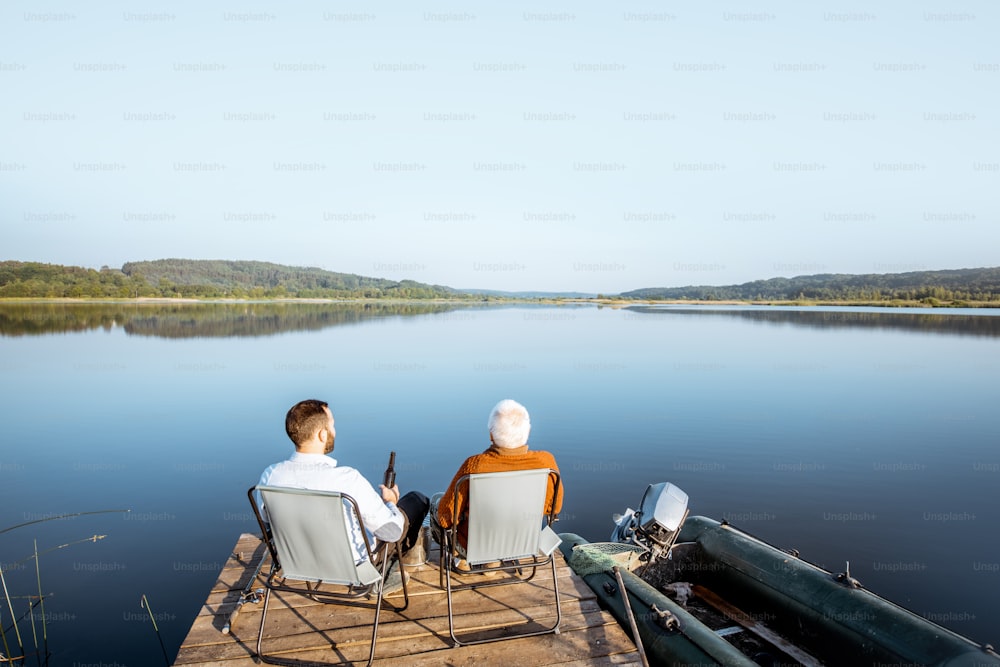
{"points": [[657, 522]]}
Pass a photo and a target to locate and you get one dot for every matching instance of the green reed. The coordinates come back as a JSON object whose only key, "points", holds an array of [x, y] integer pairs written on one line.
{"points": [[6, 657]]}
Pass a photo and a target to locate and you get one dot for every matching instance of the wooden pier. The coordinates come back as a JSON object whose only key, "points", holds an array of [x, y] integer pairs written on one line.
{"points": [[305, 632]]}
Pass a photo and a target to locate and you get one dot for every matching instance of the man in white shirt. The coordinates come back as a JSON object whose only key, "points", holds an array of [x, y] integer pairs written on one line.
{"points": [[309, 424]]}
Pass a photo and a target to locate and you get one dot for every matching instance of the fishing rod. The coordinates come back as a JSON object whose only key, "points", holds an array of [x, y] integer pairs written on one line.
{"points": [[144, 604], [60, 516], [41, 596], [246, 595], [33, 601], [92, 538]]}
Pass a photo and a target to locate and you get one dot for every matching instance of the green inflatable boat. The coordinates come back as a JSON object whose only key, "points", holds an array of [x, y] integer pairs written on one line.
{"points": [[700, 592]]}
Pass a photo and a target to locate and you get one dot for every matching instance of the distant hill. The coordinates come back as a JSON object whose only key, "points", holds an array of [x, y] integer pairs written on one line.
{"points": [[250, 279], [981, 284], [244, 278], [203, 278]]}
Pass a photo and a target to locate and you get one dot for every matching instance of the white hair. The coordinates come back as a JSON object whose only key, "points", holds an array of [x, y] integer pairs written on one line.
{"points": [[509, 424]]}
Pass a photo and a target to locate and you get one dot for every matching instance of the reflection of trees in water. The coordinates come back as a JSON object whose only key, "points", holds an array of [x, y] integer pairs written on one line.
{"points": [[211, 320], [937, 321], [31, 319], [193, 320]]}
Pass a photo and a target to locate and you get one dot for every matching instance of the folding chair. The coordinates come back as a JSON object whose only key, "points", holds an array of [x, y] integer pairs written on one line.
{"points": [[509, 523], [309, 540]]}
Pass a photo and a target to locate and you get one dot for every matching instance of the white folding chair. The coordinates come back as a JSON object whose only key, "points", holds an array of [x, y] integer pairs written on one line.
{"points": [[509, 524], [308, 535]]}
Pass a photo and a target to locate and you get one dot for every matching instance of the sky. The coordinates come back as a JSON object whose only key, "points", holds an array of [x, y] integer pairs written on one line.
{"points": [[561, 146]]}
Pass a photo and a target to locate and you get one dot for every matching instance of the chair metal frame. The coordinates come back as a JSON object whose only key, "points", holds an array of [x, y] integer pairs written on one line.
{"points": [[513, 564], [354, 589]]}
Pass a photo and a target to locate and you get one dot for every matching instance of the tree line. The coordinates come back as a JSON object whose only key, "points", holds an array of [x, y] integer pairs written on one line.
{"points": [[264, 280], [952, 287], [203, 279]]}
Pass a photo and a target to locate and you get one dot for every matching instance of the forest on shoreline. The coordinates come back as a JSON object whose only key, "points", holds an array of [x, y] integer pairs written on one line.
{"points": [[954, 288], [203, 279], [247, 280]]}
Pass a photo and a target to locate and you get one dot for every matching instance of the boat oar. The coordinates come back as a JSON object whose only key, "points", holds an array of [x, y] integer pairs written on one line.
{"points": [[631, 617]]}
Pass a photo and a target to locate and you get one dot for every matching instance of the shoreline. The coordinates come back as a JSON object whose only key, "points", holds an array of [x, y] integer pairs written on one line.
{"points": [[604, 302]]}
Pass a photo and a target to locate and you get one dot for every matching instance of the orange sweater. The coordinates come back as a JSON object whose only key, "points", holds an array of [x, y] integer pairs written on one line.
{"points": [[495, 459]]}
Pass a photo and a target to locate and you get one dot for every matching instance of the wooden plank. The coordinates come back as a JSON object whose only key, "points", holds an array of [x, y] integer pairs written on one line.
{"points": [[242, 562], [422, 584], [206, 629], [302, 629], [571, 652], [349, 621], [575, 646], [632, 659], [739, 616], [410, 640]]}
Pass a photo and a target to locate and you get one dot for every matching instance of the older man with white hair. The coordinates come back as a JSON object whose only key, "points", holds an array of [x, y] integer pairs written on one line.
{"points": [[509, 426]]}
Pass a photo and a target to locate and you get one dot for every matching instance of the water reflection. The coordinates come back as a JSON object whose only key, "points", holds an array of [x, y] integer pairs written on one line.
{"points": [[220, 320], [200, 320], [948, 321]]}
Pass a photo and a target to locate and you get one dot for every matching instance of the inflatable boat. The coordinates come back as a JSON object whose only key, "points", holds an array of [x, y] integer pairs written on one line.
{"points": [[700, 592]]}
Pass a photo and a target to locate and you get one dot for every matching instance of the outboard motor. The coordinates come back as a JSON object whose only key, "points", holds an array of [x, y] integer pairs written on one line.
{"points": [[657, 522]]}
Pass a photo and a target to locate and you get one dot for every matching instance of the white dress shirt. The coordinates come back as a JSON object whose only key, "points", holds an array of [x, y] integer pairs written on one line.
{"points": [[321, 473]]}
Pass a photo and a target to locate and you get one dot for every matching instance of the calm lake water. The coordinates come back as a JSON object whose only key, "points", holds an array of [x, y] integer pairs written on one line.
{"points": [[850, 434]]}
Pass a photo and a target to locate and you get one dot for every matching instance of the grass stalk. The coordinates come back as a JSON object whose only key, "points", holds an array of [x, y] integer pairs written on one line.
{"points": [[10, 606], [34, 632], [41, 604], [3, 636]]}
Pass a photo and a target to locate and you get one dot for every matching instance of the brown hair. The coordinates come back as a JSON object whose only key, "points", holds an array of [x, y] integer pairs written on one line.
{"points": [[304, 419]]}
